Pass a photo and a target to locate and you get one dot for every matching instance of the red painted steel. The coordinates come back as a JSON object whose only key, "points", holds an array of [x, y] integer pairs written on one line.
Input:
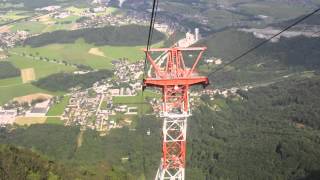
{"points": [[174, 78]]}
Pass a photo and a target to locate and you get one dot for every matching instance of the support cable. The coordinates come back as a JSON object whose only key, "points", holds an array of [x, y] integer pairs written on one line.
{"points": [[263, 42]]}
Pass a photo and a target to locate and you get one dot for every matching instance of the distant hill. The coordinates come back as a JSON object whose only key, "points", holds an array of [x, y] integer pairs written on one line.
{"points": [[130, 35], [313, 20], [270, 61]]}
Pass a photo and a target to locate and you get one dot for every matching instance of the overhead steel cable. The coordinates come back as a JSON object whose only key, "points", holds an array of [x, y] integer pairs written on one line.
{"points": [[151, 28], [149, 42], [263, 42]]}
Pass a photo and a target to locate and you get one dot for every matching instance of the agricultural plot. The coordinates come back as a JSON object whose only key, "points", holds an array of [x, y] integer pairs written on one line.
{"points": [[10, 81], [41, 67], [54, 121], [11, 16], [97, 57], [31, 27], [27, 75], [14, 87], [58, 108], [22, 121], [7, 93], [29, 98]]}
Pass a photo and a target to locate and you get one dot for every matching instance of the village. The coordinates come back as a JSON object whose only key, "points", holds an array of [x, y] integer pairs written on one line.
{"points": [[100, 107], [95, 108], [99, 16]]}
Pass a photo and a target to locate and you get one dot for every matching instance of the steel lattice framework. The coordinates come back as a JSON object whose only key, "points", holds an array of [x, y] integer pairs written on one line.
{"points": [[171, 74]]}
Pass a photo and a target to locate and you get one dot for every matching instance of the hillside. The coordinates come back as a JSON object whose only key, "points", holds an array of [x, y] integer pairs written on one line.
{"points": [[130, 35], [271, 61], [19, 163], [273, 133]]}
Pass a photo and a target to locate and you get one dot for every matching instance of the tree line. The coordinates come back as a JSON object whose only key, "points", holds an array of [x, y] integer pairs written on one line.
{"points": [[129, 35]]}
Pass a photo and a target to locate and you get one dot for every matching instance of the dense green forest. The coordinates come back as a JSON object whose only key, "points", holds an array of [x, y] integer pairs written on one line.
{"points": [[65, 81], [122, 154], [7, 70], [273, 133], [129, 35], [269, 133], [18, 163]]}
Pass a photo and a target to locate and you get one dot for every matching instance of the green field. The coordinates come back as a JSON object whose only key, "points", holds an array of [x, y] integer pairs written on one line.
{"points": [[54, 120], [135, 99], [10, 81], [78, 53], [9, 92], [12, 15], [58, 109], [13, 87], [31, 27], [41, 68]]}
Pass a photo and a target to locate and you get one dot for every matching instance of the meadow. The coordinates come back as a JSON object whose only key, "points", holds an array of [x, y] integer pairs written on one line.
{"points": [[54, 121], [16, 90], [41, 68], [58, 108], [13, 87], [78, 53]]}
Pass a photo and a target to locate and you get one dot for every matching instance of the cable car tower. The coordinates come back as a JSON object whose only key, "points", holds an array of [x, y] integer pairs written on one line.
{"points": [[170, 73]]}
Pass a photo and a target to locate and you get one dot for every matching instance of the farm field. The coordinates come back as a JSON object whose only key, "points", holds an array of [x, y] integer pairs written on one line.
{"points": [[12, 15], [79, 53], [14, 87], [30, 120], [54, 121], [10, 81], [58, 109], [41, 68], [31, 27], [16, 90]]}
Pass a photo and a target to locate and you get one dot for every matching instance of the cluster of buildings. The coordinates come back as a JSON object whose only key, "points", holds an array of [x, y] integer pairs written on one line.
{"points": [[7, 117], [266, 33], [9, 39], [91, 108], [191, 38], [39, 109]]}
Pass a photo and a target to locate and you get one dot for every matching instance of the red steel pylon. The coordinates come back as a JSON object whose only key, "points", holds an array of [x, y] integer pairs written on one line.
{"points": [[171, 74]]}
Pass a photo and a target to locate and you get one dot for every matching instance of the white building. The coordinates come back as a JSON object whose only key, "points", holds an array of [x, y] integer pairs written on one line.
{"points": [[39, 110], [7, 117]]}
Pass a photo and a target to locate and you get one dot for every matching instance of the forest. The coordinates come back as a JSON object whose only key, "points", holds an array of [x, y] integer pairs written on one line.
{"points": [[65, 81], [7, 70], [129, 35], [266, 133], [271, 61]]}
